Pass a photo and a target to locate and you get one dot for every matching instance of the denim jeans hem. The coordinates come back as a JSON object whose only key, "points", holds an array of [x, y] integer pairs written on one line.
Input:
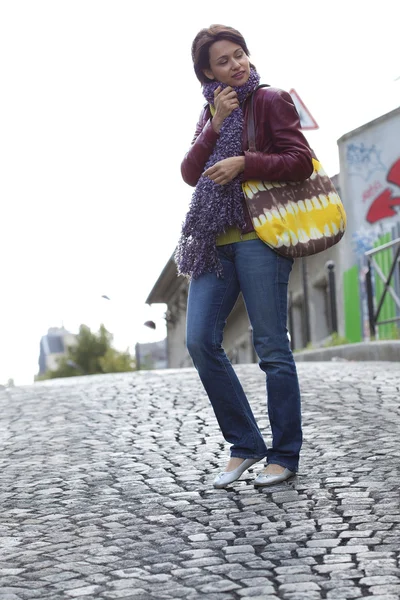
{"points": [[281, 464], [235, 454]]}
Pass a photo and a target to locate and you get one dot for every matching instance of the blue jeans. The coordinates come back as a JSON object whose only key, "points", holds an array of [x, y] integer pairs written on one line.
{"points": [[262, 276]]}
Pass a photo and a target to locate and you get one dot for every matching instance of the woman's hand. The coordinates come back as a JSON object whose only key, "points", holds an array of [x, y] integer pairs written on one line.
{"points": [[225, 102], [225, 170]]}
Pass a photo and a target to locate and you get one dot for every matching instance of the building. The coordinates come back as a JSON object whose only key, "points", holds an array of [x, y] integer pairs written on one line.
{"points": [[53, 345], [327, 290], [151, 355], [370, 182], [172, 290]]}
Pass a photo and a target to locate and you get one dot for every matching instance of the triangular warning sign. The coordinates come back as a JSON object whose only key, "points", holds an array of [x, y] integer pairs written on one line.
{"points": [[307, 121]]}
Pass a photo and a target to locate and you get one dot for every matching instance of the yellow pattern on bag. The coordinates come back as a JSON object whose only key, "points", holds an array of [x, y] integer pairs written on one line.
{"points": [[297, 219]]}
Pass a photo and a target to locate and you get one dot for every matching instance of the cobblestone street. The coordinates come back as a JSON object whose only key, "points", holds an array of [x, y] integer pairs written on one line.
{"points": [[106, 491]]}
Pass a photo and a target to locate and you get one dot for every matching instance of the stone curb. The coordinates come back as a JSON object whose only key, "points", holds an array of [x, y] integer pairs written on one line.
{"points": [[364, 351]]}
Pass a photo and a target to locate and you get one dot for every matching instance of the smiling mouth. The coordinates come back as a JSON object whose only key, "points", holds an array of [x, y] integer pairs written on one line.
{"points": [[238, 75]]}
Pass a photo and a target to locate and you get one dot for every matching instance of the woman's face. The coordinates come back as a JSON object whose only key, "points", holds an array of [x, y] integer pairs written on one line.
{"points": [[229, 63]]}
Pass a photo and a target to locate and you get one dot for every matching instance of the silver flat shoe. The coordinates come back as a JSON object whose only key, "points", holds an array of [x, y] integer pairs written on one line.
{"points": [[224, 479], [264, 479]]}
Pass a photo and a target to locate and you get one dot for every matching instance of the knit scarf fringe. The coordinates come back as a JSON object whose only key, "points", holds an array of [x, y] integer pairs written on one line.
{"points": [[214, 207]]}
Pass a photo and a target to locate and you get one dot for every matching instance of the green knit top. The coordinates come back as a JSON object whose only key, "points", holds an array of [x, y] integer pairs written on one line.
{"points": [[233, 234]]}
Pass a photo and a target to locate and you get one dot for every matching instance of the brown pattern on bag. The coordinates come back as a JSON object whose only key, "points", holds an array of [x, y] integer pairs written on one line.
{"points": [[297, 219]]}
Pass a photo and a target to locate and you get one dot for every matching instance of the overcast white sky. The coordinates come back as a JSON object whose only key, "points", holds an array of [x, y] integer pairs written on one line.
{"points": [[97, 108]]}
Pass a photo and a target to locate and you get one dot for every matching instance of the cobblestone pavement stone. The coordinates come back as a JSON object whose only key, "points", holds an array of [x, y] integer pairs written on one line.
{"points": [[106, 491]]}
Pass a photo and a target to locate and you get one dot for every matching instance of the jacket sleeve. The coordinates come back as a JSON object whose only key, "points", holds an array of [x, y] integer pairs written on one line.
{"points": [[201, 149], [292, 160]]}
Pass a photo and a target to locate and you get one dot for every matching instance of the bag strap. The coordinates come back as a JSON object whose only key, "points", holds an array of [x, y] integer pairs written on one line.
{"points": [[251, 129]]}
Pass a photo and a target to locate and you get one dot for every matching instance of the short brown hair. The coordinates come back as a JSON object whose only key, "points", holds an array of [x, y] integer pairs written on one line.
{"points": [[206, 38]]}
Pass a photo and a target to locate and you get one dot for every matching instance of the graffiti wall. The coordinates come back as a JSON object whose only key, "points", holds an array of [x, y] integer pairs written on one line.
{"points": [[370, 186]]}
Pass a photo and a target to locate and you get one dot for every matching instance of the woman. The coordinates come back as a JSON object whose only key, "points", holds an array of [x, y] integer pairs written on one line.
{"points": [[221, 253]]}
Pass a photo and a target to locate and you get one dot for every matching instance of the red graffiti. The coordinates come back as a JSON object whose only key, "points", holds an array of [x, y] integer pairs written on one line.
{"points": [[394, 173], [373, 189], [383, 206]]}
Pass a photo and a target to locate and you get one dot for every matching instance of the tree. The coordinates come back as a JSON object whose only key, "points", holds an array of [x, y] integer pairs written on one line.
{"points": [[91, 354]]}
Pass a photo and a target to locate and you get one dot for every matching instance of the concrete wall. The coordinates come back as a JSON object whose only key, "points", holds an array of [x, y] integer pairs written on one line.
{"points": [[370, 184], [52, 359], [372, 202], [318, 298], [177, 353]]}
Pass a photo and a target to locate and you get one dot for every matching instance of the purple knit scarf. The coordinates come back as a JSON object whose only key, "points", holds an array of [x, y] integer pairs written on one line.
{"points": [[215, 207]]}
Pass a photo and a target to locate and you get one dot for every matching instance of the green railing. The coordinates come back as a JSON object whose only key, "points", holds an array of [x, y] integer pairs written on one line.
{"points": [[382, 262]]}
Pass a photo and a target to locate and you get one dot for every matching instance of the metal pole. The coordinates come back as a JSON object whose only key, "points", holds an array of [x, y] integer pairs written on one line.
{"points": [[370, 300], [306, 308], [137, 356], [332, 295], [254, 356]]}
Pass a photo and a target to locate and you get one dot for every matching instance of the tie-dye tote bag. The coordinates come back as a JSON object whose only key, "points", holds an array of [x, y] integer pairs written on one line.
{"points": [[295, 219]]}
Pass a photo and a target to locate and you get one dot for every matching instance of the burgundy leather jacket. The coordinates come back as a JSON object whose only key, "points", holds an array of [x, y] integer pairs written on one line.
{"points": [[283, 153]]}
